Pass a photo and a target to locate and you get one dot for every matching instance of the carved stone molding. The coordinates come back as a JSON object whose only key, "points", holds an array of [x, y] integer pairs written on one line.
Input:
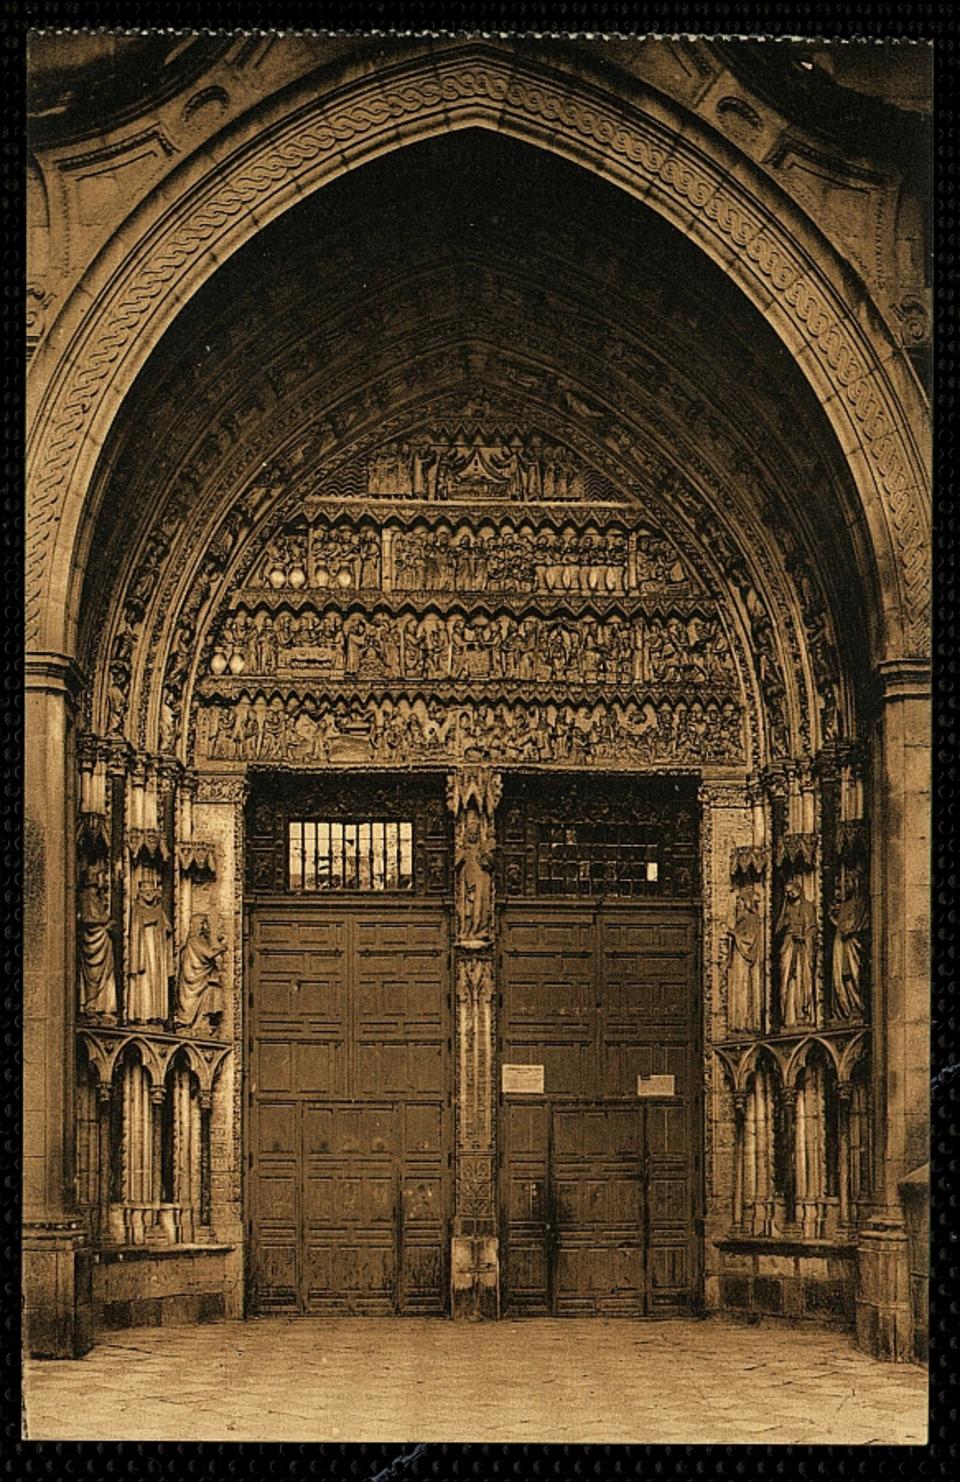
{"points": [[222, 788], [105, 1046]]}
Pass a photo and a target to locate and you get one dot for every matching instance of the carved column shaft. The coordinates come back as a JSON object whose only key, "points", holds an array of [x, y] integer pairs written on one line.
{"points": [[206, 1169], [472, 795], [157, 1098], [789, 1102], [739, 1153], [843, 1155], [54, 1324], [104, 1170]]}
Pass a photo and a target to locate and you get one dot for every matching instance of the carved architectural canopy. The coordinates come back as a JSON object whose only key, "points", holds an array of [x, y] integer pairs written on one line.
{"points": [[528, 488]]}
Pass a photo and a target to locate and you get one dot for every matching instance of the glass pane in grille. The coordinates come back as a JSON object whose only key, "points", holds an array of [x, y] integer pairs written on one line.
{"points": [[310, 847], [613, 858], [323, 856], [393, 856], [406, 856], [296, 856], [367, 854]]}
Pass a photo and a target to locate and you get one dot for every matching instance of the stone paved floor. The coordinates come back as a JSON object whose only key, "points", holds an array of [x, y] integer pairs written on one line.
{"points": [[419, 1380]]}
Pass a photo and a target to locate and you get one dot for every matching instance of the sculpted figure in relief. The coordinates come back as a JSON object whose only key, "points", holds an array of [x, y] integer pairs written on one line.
{"points": [[745, 964], [98, 983], [151, 957], [797, 936], [474, 879], [849, 917], [200, 964]]}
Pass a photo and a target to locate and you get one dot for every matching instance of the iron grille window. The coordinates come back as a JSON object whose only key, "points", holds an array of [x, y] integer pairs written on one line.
{"points": [[583, 859], [598, 837], [355, 854]]}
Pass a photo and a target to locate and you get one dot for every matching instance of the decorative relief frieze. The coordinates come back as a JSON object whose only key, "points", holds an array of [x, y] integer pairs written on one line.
{"points": [[516, 467], [678, 649], [584, 555], [295, 727]]}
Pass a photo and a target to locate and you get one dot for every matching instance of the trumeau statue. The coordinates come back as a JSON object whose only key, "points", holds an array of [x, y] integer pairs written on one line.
{"points": [[796, 933], [150, 964], [474, 878], [98, 983]]}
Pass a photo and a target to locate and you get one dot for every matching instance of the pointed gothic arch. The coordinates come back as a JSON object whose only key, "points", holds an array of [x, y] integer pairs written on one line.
{"points": [[710, 194], [142, 592]]}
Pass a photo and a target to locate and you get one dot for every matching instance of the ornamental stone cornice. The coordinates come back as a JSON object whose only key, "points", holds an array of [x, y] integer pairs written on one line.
{"points": [[693, 179], [57, 674]]}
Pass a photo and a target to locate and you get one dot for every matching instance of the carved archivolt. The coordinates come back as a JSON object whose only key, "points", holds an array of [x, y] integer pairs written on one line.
{"points": [[649, 155], [338, 568]]}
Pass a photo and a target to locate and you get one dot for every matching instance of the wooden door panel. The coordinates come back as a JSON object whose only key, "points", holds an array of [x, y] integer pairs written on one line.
{"points": [[350, 1143], [386, 1069], [597, 1280], [350, 1272], [423, 1263], [597, 1183], [423, 1129], [525, 1131]]}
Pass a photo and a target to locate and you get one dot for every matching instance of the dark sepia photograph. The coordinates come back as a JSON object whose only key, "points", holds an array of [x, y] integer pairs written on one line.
{"points": [[477, 707]]}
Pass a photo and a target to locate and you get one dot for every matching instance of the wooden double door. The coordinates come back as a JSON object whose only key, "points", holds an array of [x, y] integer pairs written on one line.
{"points": [[599, 1115], [350, 1117], [350, 1108]]}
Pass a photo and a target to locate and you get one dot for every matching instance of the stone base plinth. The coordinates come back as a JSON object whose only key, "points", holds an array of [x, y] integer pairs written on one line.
{"points": [[778, 1277], [143, 1286], [57, 1290], [884, 1316], [475, 1277]]}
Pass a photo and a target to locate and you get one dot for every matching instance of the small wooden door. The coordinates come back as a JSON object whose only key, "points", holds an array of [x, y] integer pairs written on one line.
{"points": [[599, 1186], [349, 1108]]}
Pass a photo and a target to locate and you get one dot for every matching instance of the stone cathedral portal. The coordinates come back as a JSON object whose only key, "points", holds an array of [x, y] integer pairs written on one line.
{"points": [[477, 741]]}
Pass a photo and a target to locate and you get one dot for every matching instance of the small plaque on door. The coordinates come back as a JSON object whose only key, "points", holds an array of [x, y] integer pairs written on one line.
{"points": [[655, 1085], [525, 1078]]}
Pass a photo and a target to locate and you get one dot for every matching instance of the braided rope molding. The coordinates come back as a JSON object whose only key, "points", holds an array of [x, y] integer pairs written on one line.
{"points": [[669, 171]]}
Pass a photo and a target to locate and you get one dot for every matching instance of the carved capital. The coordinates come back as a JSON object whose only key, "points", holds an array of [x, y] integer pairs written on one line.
{"points": [[55, 673]]}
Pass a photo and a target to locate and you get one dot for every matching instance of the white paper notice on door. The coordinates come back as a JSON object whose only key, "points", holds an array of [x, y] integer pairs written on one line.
{"points": [[655, 1085], [523, 1078]]}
